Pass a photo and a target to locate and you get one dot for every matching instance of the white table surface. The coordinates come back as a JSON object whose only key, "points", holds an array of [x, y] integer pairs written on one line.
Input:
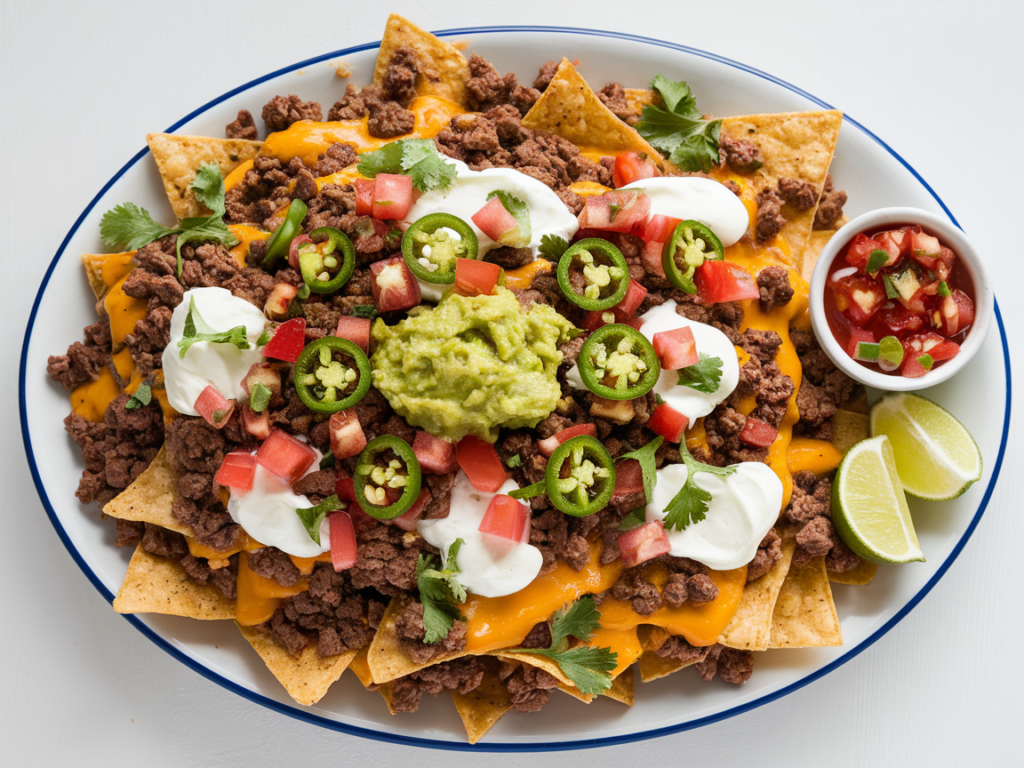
{"points": [[84, 82]]}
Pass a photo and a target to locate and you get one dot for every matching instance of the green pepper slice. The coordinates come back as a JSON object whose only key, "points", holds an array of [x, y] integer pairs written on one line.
{"points": [[691, 244], [606, 283], [580, 476], [372, 478], [278, 244], [430, 251], [327, 265], [623, 355], [321, 380]]}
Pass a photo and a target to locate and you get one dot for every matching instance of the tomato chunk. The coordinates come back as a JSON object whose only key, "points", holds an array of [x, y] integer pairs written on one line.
{"points": [[634, 297], [757, 433], [676, 348], [548, 445], [364, 197], [858, 297], [214, 407], [481, 464], [507, 518], [276, 305], [475, 278], [343, 540], [659, 228], [237, 471], [593, 320], [496, 222], [857, 336], [859, 250], [630, 167], [288, 341], [407, 520], [956, 312], [347, 436], [265, 374], [284, 456], [345, 488], [392, 196], [394, 286], [434, 453], [643, 543], [651, 257], [629, 479], [617, 211], [356, 330], [668, 422], [256, 424], [719, 281]]}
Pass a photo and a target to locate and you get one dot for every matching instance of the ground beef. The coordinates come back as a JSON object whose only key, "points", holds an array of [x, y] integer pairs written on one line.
{"points": [[282, 111], [209, 521], [336, 157], [171, 545], [734, 666], [823, 391], [798, 194], [243, 127], [262, 194], [676, 647], [440, 487], [351, 106], [742, 156], [613, 96], [317, 485], [487, 89], [809, 511], [83, 361], [461, 675], [770, 220], [769, 552], [545, 76], [128, 533], [811, 497], [550, 533], [509, 258], [195, 446], [272, 563], [143, 284], [830, 206], [399, 81], [527, 686], [411, 632], [147, 341], [388, 120], [773, 285], [386, 560]]}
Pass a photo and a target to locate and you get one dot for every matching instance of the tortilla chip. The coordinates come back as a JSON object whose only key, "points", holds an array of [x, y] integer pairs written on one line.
{"points": [[859, 576], [150, 497], [386, 658], [805, 614], [812, 251], [751, 626], [638, 98], [443, 71], [622, 688], [178, 158], [482, 708], [93, 263], [653, 667], [307, 677], [848, 429], [360, 668], [570, 108], [155, 584]]}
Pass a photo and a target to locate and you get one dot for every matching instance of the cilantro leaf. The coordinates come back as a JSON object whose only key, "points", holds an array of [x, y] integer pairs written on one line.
{"points": [[417, 158], [552, 247], [680, 132], [634, 519], [703, 376], [529, 491], [520, 212], [143, 396], [440, 594], [690, 505], [197, 330], [259, 397], [645, 456], [312, 517], [201, 229], [365, 310], [209, 187], [515, 461], [578, 620], [127, 227]]}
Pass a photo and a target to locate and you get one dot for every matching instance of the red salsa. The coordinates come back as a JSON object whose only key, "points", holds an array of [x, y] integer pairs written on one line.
{"points": [[899, 301]]}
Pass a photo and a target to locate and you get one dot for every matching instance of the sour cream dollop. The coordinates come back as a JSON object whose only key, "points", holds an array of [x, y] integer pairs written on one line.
{"points": [[467, 194], [221, 365], [703, 200], [267, 513], [743, 507], [487, 570]]}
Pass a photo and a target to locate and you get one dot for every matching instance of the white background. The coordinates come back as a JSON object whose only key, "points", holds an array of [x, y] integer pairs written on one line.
{"points": [[84, 82]]}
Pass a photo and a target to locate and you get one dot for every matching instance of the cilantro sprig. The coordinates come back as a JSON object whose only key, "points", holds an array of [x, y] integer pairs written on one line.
{"points": [[587, 667], [703, 376], [690, 505], [648, 468], [680, 131], [441, 593], [552, 247], [197, 330], [417, 158], [143, 396], [127, 227], [312, 517]]}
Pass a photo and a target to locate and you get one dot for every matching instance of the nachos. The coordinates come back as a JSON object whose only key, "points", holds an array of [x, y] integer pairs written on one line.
{"points": [[476, 386]]}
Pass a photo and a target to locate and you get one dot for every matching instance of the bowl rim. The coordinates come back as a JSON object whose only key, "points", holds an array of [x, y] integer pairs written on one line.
{"points": [[949, 233]]}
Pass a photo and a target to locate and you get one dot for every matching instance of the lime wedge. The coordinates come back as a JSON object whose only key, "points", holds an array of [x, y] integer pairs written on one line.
{"points": [[936, 457], [869, 508]]}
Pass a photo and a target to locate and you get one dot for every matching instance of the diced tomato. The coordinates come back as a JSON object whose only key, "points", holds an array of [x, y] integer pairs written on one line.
{"points": [[634, 297], [651, 257], [345, 488], [344, 547], [475, 278], [407, 520], [276, 305], [956, 312], [896, 320], [237, 471], [858, 297], [367, 229], [891, 243], [364, 197], [507, 518], [356, 330], [548, 445], [214, 407], [288, 340], [392, 196], [265, 374], [859, 250], [394, 286], [659, 228], [256, 424], [858, 335], [629, 479], [481, 464], [630, 167], [921, 344], [757, 433], [643, 543], [676, 348], [593, 319], [668, 422], [347, 436], [293, 249], [284, 456], [719, 281], [496, 222], [434, 454], [616, 211]]}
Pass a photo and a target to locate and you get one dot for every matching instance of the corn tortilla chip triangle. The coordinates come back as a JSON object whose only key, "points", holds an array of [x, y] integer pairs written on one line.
{"points": [[178, 158], [622, 688], [570, 108], [306, 677], [858, 577], [482, 708], [150, 497], [653, 667], [93, 263], [443, 70], [155, 584], [805, 614], [750, 628], [848, 429], [386, 658]]}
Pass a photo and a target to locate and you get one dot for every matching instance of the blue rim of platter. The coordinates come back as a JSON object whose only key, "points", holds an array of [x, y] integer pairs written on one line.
{"points": [[309, 717]]}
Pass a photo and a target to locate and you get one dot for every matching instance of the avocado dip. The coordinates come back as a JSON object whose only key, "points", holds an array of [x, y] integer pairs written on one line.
{"points": [[472, 364]]}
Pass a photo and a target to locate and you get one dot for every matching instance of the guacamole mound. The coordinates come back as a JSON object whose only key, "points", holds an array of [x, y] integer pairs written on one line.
{"points": [[472, 364]]}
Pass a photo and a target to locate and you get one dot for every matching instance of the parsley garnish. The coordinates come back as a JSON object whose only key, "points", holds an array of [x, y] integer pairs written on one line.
{"points": [[520, 212], [587, 667], [515, 461], [127, 227], [417, 158], [552, 247], [312, 517], [143, 396], [703, 376], [365, 310], [197, 330], [690, 505], [680, 132], [529, 491], [440, 593]]}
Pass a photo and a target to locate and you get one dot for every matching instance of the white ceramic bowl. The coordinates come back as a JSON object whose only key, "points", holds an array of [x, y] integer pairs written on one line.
{"points": [[950, 235]]}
